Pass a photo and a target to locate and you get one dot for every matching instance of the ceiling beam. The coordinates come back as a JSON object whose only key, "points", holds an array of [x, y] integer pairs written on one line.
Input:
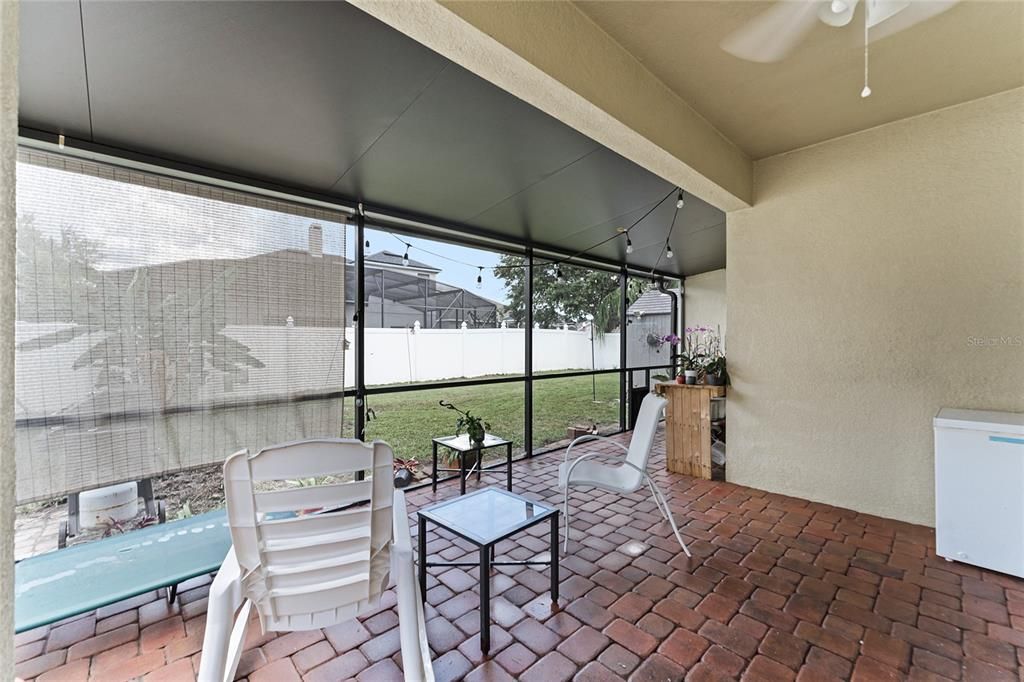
{"points": [[551, 55]]}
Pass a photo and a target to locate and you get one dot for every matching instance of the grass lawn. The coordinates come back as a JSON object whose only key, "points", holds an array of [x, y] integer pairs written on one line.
{"points": [[408, 421]]}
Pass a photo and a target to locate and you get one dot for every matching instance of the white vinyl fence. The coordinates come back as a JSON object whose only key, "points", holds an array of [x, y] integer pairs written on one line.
{"points": [[416, 355]]}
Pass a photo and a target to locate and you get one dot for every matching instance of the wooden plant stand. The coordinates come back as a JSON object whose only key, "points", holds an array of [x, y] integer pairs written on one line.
{"points": [[688, 427]]}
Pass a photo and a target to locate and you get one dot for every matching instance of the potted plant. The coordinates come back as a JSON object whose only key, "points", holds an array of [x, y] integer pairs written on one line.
{"points": [[405, 471], [475, 427], [691, 369], [715, 372], [693, 352]]}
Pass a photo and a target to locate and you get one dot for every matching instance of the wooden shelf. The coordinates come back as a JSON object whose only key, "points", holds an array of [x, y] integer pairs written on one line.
{"points": [[688, 427]]}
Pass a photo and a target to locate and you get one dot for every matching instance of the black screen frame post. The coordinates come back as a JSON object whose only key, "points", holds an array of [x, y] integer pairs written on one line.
{"points": [[360, 324], [624, 373], [528, 356]]}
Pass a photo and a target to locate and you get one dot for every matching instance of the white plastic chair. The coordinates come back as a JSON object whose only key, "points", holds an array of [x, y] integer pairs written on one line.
{"points": [[310, 556], [624, 476]]}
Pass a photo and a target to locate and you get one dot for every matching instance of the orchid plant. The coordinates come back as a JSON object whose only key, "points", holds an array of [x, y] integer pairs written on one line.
{"points": [[700, 348]]}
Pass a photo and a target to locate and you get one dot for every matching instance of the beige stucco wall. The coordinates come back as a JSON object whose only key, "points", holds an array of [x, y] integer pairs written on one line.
{"points": [[704, 300], [858, 287]]}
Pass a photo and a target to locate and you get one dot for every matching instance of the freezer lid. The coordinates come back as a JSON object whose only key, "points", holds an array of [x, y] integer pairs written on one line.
{"points": [[980, 420]]}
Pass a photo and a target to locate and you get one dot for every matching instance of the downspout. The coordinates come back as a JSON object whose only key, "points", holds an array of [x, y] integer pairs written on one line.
{"points": [[678, 305]]}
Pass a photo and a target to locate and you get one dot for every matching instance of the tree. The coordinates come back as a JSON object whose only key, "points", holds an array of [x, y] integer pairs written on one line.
{"points": [[567, 300], [49, 270], [142, 332]]}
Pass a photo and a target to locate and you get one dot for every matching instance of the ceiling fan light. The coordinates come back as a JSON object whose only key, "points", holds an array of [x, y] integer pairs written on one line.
{"points": [[837, 13], [865, 93]]}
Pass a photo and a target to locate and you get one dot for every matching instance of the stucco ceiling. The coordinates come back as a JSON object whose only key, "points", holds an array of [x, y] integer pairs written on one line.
{"points": [[972, 50]]}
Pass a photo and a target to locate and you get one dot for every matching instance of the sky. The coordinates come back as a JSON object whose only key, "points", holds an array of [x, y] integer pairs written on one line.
{"points": [[458, 264]]}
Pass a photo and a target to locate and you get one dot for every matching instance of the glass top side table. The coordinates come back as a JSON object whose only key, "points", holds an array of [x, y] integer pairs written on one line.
{"points": [[485, 518], [462, 446]]}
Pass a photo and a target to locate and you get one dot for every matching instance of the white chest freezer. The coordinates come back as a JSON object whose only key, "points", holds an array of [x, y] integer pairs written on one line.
{"points": [[979, 488]]}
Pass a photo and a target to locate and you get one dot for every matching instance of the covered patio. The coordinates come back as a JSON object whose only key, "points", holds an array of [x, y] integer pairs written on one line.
{"points": [[778, 588], [275, 276]]}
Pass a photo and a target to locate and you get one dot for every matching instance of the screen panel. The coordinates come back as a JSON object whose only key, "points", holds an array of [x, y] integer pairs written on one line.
{"points": [[162, 324]]}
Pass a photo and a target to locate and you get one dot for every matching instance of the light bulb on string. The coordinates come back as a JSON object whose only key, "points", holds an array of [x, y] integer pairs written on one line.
{"points": [[679, 200], [480, 278], [668, 252], [366, 244], [629, 244], [405, 258]]}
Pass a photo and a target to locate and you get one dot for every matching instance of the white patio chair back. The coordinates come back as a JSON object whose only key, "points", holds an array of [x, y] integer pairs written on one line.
{"points": [[642, 441], [306, 570]]}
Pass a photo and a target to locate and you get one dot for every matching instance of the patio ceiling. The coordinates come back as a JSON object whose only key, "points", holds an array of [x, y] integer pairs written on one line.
{"points": [[322, 98]]}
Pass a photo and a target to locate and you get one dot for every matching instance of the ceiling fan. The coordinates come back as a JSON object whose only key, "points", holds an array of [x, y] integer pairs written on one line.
{"points": [[773, 34]]}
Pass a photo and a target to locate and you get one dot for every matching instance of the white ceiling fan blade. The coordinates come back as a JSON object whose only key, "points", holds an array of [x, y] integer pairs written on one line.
{"points": [[914, 13], [771, 35]]}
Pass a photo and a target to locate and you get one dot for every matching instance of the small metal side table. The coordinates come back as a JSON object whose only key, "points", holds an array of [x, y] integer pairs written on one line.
{"points": [[485, 518], [463, 447]]}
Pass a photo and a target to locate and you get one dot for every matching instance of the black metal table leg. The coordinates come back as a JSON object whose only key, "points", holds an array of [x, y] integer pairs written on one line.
{"points": [[462, 473], [479, 464], [433, 473], [554, 558], [422, 542], [485, 598], [508, 463]]}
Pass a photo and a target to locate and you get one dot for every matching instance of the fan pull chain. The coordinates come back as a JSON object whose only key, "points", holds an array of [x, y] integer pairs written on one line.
{"points": [[866, 92]]}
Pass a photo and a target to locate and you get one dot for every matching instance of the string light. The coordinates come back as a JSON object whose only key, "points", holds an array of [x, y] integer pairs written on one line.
{"points": [[667, 249], [556, 262]]}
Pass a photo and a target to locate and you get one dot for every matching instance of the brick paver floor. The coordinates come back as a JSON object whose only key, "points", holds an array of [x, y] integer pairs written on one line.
{"points": [[778, 589]]}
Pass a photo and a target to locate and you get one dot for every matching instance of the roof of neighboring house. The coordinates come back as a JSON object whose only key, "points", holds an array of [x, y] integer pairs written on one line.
{"points": [[651, 302], [391, 258]]}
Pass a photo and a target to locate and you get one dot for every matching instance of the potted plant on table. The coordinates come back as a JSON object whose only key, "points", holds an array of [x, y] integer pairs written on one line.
{"points": [[715, 372], [693, 352], [475, 427]]}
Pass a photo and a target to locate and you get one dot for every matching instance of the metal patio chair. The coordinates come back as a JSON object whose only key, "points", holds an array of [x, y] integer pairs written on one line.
{"points": [[310, 556], [624, 476]]}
